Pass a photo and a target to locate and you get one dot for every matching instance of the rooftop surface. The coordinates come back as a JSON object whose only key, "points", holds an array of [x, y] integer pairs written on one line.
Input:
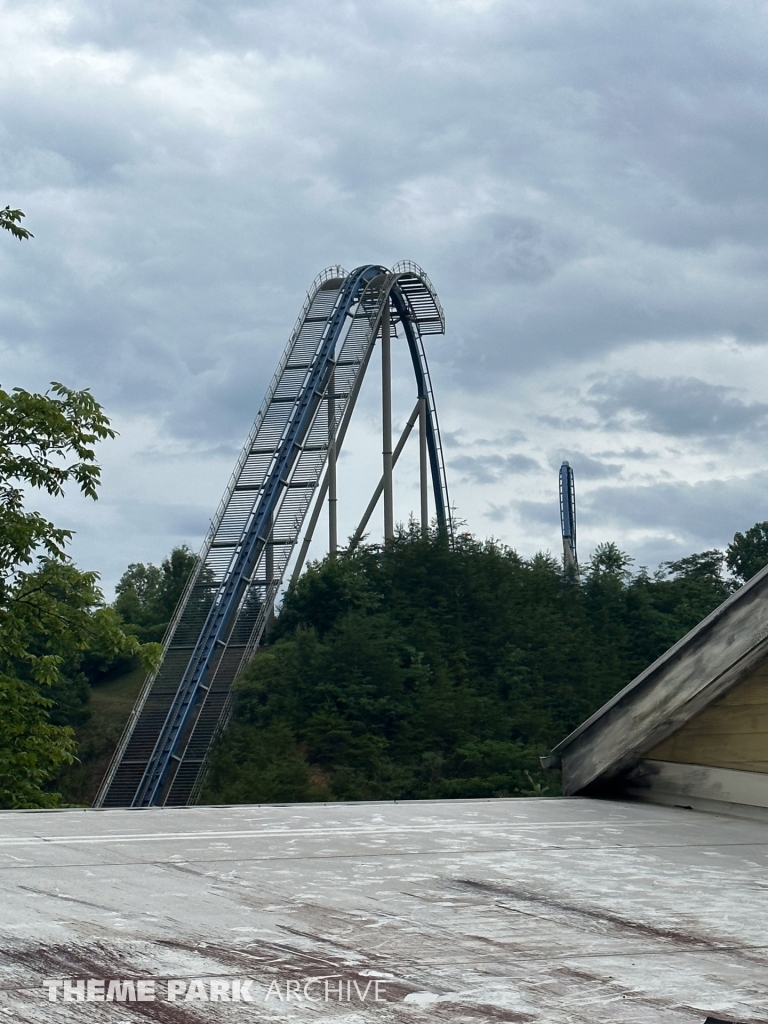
{"points": [[550, 910]]}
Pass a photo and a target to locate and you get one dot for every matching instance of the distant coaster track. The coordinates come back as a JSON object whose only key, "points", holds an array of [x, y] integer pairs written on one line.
{"points": [[230, 596]]}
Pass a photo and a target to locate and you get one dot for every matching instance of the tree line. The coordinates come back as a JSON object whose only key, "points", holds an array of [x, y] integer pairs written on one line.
{"points": [[421, 669]]}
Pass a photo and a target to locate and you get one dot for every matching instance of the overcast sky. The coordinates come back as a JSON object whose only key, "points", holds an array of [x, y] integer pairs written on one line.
{"points": [[584, 182]]}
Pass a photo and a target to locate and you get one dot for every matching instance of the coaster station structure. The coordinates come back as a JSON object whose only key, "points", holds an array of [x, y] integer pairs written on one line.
{"points": [[287, 468]]}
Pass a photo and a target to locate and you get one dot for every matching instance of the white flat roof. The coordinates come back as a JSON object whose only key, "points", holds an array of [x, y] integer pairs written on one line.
{"points": [[550, 910]]}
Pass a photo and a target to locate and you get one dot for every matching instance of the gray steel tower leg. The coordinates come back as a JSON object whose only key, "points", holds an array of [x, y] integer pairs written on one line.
{"points": [[333, 542], [423, 466], [386, 423]]}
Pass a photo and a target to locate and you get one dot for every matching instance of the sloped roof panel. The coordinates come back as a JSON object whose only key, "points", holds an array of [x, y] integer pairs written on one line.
{"points": [[713, 657]]}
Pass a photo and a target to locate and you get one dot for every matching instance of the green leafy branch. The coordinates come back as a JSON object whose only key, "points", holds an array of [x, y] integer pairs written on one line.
{"points": [[11, 221]]}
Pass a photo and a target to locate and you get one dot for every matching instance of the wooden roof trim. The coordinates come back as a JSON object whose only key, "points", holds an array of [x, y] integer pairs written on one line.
{"points": [[708, 660]]}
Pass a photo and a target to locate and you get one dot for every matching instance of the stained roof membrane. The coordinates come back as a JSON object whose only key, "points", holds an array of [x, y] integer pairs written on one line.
{"points": [[552, 910]]}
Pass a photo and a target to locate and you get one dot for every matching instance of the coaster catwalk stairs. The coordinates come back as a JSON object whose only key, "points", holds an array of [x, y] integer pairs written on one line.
{"points": [[230, 597]]}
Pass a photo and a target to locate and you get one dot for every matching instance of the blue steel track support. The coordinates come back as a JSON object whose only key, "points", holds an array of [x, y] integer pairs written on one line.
{"points": [[424, 390]]}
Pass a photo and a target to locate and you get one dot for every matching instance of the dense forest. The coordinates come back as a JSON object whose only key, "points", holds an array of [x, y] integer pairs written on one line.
{"points": [[416, 670], [423, 670]]}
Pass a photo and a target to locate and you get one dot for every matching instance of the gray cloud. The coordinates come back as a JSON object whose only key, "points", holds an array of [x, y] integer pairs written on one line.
{"points": [[568, 423], [453, 439], [458, 439], [488, 469], [678, 406], [517, 249], [498, 513], [627, 453], [177, 520], [501, 440], [541, 513], [574, 179], [707, 514]]}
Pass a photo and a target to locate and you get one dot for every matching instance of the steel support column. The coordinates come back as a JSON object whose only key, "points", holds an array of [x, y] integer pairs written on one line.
{"points": [[357, 535], [333, 541], [269, 570], [386, 423], [423, 466]]}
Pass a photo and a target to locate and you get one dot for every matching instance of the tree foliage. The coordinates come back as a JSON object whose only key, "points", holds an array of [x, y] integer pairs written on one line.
{"points": [[147, 595], [52, 615], [45, 442], [420, 670], [747, 553], [10, 220]]}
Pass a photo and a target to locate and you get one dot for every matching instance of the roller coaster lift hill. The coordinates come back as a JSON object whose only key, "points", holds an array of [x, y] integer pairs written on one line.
{"points": [[285, 472]]}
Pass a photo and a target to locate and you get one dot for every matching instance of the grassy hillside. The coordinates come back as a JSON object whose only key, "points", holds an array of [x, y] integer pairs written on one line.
{"points": [[110, 704]]}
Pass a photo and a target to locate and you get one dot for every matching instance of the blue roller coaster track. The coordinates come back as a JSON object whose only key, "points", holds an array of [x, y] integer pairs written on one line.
{"points": [[230, 597]]}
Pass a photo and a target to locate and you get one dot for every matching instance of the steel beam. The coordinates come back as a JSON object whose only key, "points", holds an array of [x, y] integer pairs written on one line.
{"points": [[333, 538], [269, 570], [355, 539], [386, 424], [423, 465]]}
